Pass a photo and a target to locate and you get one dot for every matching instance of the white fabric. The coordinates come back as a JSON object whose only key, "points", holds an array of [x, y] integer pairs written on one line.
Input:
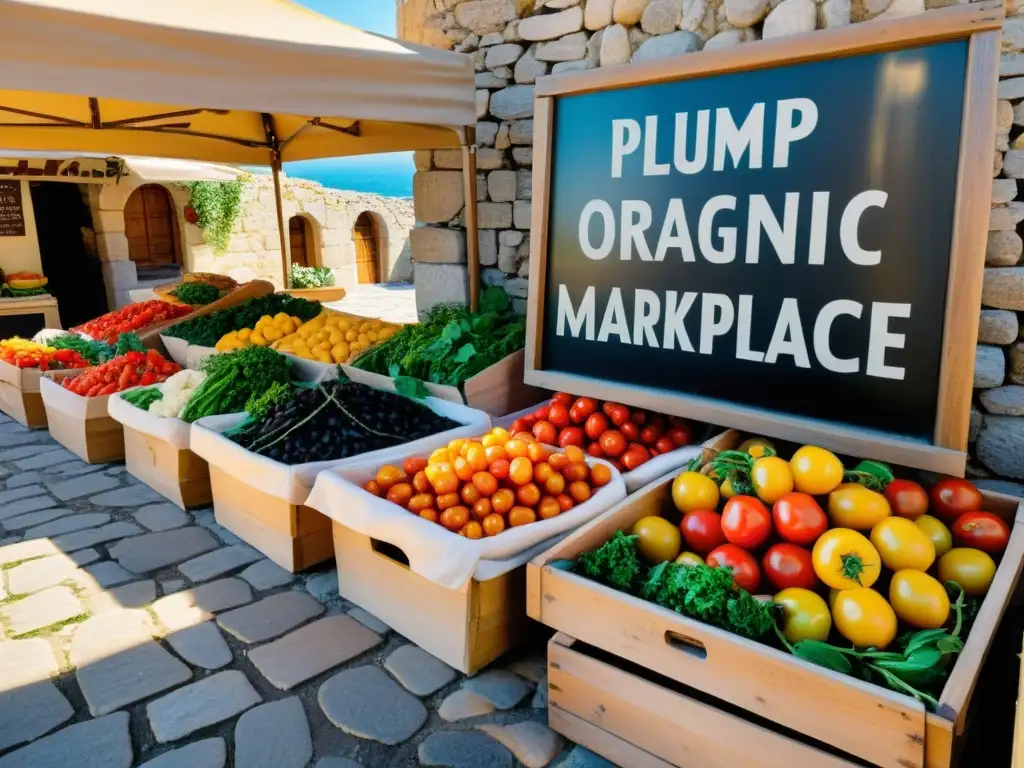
{"points": [[434, 552], [143, 168], [312, 370], [644, 474], [293, 482], [176, 348], [67, 402], [175, 432]]}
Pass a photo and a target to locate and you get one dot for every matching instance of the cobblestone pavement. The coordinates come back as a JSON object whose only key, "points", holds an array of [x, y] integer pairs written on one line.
{"points": [[394, 302], [133, 634]]}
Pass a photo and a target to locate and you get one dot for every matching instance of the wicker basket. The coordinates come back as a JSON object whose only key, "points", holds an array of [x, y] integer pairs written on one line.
{"points": [[222, 282]]}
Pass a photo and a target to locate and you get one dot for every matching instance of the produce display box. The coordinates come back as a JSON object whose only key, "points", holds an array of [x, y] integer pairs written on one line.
{"points": [[645, 686], [426, 582], [323, 295], [81, 424], [267, 508], [19, 393], [496, 390], [157, 453]]}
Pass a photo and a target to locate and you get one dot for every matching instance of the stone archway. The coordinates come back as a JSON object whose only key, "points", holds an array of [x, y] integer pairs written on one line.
{"points": [[151, 227], [302, 243]]}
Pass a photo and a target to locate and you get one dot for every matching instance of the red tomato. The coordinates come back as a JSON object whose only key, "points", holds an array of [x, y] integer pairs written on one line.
{"points": [[639, 417], [595, 450], [597, 424], [630, 430], [981, 530], [545, 432], [702, 530], [541, 413], [581, 409], [787, 565], [558, 415], [564, 398], [746, 522], [907, 498], [799, 518], [571, 436], [619, 414], [664, 445], [952, 497], [745, 571], [680, 435], [613, 443], [635, 455], [650, 435], [519, 425]]}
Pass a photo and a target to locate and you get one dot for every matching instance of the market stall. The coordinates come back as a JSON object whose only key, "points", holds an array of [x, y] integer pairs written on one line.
{"points": [[266, 83], [761, 258]]}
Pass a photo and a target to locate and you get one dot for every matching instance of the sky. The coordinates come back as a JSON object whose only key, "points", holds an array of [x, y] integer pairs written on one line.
{"points": [[384, 174]]}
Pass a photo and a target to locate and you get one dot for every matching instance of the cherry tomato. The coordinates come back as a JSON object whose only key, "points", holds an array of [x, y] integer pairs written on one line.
{"points": [[664, 444], [571, 436], [564, 398], [702, 529], [521, 516], [454, 518], [630, 430], [482, 509], [799, 519], [597, 424], [413, 465], [613, 443], [595, 450], [745, 571], [650, 435], [864, 617], [689, 558], [582, 409], [529, 494], [493, 524], [503, 500], [545, 432], [746, 522], [635, 456], [907, 498], [680, 435], [772, 478], [548, 508], [500, 468], [805, 616], [639, 417], [815, 470], [541, 413], [619, 414], [565, 501], [941, 538], [951, 497], [657, 539], [558, 415], [600, 475], [692, 490], [971, 568], [981, 530], [787, 565]]}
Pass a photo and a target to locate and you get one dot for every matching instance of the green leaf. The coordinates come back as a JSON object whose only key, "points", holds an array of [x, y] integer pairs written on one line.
{"points": [[878, 469], [394, 370], [466, 353], [494, 299], [410, 387], [452, 332], [923, 638], [822, 654], [950, 644]]}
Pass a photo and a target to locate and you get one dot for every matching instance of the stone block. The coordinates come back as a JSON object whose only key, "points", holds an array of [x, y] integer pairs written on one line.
{"points": [[488, 246], [746, 13], [448, 159], [598, 14], [663, 16], [528, 68], [483, 99], [628, 12], [569, 48], [494, 215], [491, 38], [112, 246], [674, 44], [503, 55], [1003, 288], [1011, 64], [507, 259], [521, 132], [521, 214], [438, 196], [512, 103], [486, 133], [1006, 217], [1003, 401], [488, 159], [524, 185], [1000, 446], [438, 245], [1011, 88], [572, 66], [989, 367], [997, 326], [1013, 164], [790, 17], [440, 284], [501, 186], [1017, 363], [523, 155], [1003, 190], [485, 16], [421, 158], [490, 80], [552, 25], [1003, 249]]}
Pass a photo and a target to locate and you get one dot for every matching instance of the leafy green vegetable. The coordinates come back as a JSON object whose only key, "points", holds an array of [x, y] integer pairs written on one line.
{"points": [[410, 387], [234, 377], [143, 398], [196, 293], [206, 330], [258, 404], [614, 563], [452, 344], [94, 351], [128, 342], [310, 277]]}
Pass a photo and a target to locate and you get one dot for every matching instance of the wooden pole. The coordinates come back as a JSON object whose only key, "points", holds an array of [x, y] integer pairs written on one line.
{"points": [[472, 236], [275, 167]]}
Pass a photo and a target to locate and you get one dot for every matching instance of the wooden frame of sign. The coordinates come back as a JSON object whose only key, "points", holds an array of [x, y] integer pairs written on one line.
{"points": [[942, 446]]}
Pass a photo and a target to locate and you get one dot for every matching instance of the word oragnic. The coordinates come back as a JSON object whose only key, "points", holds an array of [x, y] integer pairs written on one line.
{"points": [[658, 320]]}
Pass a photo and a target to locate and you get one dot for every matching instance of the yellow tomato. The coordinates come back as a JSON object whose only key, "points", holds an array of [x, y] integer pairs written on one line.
{"points": [[755, 447], [934, 528], [918, 599], [726, 489], [972, 569], [845, 559], [772, 478], [804, 615], [902, 545], [815, 470], [689, 558], [657, 539], [864, 618], [258, 339], [244, 334], [272, 333], [851, 505], [692, 490]]}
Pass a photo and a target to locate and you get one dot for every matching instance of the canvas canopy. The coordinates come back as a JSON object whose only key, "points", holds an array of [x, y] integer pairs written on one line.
{"points": [[246, 82]]}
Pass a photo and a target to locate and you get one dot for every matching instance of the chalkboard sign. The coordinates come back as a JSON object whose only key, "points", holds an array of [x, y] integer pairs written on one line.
{"points": [[12, 214], [765, 248]]}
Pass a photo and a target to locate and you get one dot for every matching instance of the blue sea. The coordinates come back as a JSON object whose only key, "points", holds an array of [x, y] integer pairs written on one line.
{"points": [[389, 175]]}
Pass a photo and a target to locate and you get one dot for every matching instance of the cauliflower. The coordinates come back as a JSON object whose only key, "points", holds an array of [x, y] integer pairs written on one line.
{"points": [[177, 390]]}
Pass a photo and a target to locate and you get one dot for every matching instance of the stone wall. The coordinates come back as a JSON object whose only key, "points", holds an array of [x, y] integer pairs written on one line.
{"points": [[513, 42], [255, 247]]}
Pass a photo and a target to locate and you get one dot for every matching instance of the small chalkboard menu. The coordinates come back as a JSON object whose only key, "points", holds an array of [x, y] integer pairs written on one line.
{"points": [[12, 213], [773, 248]]}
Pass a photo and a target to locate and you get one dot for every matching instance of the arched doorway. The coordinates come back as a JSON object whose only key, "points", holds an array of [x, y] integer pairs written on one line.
{"points": [[300, 240], [364, 236], [151, 228]]}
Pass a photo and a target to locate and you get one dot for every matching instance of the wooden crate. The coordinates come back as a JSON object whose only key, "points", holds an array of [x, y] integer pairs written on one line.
{"points": [[466, 628], [89, 432], [19, 393], [178, 475], [743, 679], [330, 293], [292, 535]]}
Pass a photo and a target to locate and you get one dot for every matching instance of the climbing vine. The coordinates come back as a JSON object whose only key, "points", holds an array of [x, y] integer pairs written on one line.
{"points": [[217, 204]]}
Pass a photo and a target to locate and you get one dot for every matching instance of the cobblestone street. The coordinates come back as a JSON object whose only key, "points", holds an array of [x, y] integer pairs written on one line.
{"points": [[132, 634]]}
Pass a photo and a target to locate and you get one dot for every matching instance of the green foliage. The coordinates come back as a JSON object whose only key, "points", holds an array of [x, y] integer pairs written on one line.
{"points": [[143, 398], [452, 344], [259, 404], [310, 277], [217, 204], [234, 377], [206, 330], [196, 294], [128, 342], [614, 563], [95, 352]]}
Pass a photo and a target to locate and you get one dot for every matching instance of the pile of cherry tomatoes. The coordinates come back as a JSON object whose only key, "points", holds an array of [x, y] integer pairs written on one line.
{"points": [[28, 354], [483, 486], [626, 437], [129, 370], [134, 317], [879, 549]]}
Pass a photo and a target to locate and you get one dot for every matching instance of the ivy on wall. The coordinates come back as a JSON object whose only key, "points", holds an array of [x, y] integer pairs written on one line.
{"points": [[217, 205]]}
